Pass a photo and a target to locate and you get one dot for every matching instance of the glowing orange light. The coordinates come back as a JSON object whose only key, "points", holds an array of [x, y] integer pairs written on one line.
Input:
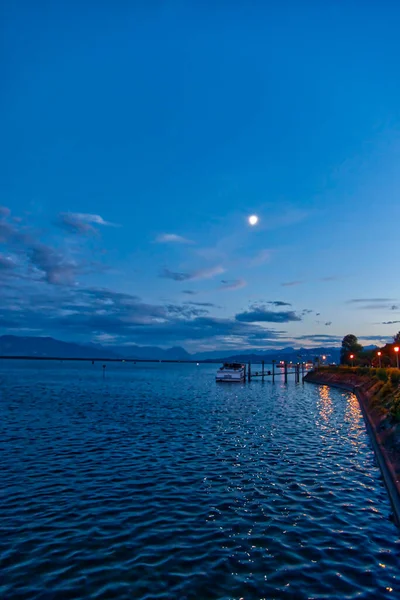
{"points": [[351, 356], [379, 353], [396, 348]]}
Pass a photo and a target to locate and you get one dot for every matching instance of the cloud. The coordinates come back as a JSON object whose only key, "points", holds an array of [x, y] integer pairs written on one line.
{"points": [[331, 278], [233, 284], [259, 314], [389, 322], [174, 275], [328, 323], [278, 303], [88, 312], [261, 258], [7, 262], [364, 300], [320, 338], [168, 238], [307, 311], [56, 268], [4, 212], [285, 216], [185, 311], [81, 223], [207, 273], [291, 283], [208, 304], [376, 338], [189, 292]]}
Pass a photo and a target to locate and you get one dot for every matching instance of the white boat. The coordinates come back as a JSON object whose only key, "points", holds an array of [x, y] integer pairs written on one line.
{"points": [[232, 372]]}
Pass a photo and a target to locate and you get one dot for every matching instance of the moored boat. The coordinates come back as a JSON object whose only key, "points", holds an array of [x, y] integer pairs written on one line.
{"points": [[231, 372]]}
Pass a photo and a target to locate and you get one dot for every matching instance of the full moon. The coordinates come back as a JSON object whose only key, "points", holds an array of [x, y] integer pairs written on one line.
{"points": [[253, 220]]}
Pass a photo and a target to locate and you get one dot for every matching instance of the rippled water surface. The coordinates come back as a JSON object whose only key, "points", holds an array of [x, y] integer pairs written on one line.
{"points": [[156, 482]]}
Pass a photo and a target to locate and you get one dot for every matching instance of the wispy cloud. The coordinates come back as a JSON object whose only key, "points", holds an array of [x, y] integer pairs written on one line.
{"points": [[364, 300], [291, 283], [330, 278], [207, 273], [174, 275], [261, 258], [82, 223], [284, 217], [389, 322], [206, 304], [320, 338], [7, 262], [172, 238], [328, 323], [278, 303], [260, 313], [4, 211], [232, 284], [374, 303], [189, 292]]}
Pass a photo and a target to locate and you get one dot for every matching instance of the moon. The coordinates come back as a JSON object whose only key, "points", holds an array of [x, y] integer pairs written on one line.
{"points": [[253, 220]]}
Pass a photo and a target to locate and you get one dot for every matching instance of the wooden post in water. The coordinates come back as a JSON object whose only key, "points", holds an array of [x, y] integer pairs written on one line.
{"points": [[249, 372], [104, 371], [262, 372], [302, 372], [273, 371], [297, 373], [285, 371]]}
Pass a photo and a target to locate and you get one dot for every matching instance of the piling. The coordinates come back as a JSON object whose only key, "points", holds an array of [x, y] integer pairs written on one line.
{"points": [[285, 371], [262, 372], [273, 371], [249, 372]]}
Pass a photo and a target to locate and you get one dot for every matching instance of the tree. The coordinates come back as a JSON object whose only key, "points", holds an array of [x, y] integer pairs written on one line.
{"points": [[350, 345], [396, 338]]}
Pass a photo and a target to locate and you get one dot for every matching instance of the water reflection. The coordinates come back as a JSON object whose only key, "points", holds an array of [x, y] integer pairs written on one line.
{"points": [[325, 406]]}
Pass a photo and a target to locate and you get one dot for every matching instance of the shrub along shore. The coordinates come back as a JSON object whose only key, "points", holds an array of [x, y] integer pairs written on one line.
{"points": [[378, 391]]}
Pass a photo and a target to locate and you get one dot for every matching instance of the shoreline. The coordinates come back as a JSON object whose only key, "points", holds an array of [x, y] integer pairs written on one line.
{"points": [[385, 440]]}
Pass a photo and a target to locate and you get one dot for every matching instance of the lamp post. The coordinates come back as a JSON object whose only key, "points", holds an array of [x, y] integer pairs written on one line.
{"points": [[379, 356], [396, 349], [351, 358]]}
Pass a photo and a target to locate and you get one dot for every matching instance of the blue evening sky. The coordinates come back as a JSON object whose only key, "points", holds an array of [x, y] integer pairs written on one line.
{"points": [[137, 138]]}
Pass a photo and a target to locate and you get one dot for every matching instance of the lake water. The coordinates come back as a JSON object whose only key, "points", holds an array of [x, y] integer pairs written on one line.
{"points": [[156, 482]]}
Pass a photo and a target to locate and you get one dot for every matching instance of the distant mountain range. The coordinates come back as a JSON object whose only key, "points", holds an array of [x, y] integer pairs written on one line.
{"points": [[11, 345]]}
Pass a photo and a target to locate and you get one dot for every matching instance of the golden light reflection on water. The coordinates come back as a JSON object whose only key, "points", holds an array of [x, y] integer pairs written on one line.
{"points": [[352, 416], [325, 403]]}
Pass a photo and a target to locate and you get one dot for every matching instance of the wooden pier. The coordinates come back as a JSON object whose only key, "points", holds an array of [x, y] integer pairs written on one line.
{"points": [[287, 369]]}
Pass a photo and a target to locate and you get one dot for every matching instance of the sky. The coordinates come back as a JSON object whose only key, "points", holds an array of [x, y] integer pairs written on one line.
{"points": [[137, 139]]}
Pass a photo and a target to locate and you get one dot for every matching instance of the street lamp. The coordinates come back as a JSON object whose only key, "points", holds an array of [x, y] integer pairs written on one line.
{"points": [[379, 356], [351, 358], [396, 349]]}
